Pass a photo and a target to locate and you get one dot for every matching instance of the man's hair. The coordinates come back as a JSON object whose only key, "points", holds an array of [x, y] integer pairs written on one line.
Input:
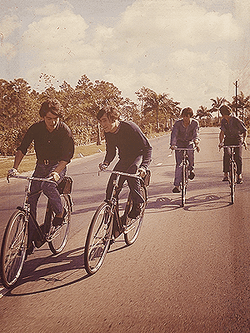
{"points": [[187, 111], [111, 112], [225, 110], [51, 105]]}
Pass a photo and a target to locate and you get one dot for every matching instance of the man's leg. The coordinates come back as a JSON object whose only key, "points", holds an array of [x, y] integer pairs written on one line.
{"points": [[191, 163], [51, 191]]}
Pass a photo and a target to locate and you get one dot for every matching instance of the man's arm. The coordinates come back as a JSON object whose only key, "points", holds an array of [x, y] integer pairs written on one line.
{"points": [[221, 138], [244, 135], [18, 159]]}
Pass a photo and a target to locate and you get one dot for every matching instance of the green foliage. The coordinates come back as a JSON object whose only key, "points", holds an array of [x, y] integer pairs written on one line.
{"points": [[20, 105]]}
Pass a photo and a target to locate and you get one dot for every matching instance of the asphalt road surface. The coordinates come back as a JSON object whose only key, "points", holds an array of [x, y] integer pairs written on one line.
{"points": [[187, 272]]}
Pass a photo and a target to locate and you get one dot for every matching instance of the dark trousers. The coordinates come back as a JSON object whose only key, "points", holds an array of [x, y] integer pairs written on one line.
{"points": [[133, 183], [237, 156], [49, 189]]}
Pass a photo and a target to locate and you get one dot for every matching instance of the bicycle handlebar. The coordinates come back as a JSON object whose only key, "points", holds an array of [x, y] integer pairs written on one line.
{"points": [[233, 146], [32, 178], [189, 149], [121, 173]]}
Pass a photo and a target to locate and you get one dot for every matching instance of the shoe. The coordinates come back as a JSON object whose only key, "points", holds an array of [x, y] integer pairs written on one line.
{"points": [[57, 221], [30, 250], [135, 211], [176, 190], [239, 180], [225, 179], [191, 175]]}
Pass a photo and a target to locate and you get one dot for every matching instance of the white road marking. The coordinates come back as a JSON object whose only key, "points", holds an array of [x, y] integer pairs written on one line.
{"points": [[3, 291]]}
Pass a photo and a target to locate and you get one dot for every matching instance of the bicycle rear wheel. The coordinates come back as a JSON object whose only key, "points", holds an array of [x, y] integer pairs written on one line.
{"points": [[232, 181], [13, 249], [133, 226], [98, 238], [58, 239]]}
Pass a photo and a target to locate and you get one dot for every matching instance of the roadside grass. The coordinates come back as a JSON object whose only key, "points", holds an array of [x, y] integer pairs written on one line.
{"points": [[29, 161]]}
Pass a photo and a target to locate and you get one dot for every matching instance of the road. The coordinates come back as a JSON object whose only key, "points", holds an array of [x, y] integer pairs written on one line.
{"points": [[188, 271]]}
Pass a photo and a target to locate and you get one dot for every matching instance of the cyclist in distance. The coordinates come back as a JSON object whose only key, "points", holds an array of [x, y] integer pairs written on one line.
{"points": [[54, 147], [134, 152], [233, 132], [184, 135]]}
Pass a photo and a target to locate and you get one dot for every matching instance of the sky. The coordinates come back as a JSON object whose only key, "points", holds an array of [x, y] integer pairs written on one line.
{"points": [[191, 50]]}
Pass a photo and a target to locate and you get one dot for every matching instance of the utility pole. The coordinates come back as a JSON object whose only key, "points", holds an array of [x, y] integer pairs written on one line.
{"points": [[236, 101]]}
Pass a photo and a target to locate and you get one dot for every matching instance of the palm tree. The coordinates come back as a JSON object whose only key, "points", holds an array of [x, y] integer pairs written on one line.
{"points": [[241, 102], [203, 114], [216, 104], [157, 107]]}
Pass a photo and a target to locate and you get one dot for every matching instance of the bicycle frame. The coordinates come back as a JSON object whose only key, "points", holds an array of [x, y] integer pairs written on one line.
{"points": [[113, 201], [184, 181], [26, 206], [232, 169]]}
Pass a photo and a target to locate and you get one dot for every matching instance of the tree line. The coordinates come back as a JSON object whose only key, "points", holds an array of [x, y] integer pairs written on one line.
{"points": [[153, 112]]}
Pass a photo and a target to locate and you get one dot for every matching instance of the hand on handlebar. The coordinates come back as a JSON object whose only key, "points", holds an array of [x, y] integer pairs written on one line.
{"points": [[197, 148], [54, 176], [221, 144], [103, 166], [12, 172], [244, 144], [141, 172]]}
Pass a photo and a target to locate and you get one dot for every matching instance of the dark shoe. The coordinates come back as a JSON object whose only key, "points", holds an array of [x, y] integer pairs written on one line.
{"points": [[59, 220], [225, 179], [135, 211], [30, 250], [176, 190], [191, 175]]}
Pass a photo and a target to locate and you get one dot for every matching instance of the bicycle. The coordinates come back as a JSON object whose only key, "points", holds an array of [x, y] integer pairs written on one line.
{"points": [[232, 170], [184, 173], [14, 244], [107, 223]]}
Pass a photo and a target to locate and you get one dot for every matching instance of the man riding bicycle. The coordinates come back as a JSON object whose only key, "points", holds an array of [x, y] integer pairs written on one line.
{"points": [[54, 147], [184, 135], [134, 153], [233, 132]]}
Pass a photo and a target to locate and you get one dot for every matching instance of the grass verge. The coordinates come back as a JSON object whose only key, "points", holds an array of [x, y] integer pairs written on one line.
{"points": [[29, 161]]}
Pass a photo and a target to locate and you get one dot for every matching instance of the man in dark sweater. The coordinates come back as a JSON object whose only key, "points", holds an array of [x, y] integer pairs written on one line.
{"points": [[54, 149], [134, 152]]}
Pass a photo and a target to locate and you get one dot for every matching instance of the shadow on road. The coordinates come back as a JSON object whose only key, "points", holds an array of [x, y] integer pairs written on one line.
{"points": [[56, 272], [201, 202]]}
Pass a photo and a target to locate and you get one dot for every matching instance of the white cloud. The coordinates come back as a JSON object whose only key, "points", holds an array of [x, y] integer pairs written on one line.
{"points": [[173, 46], [8, 25]]}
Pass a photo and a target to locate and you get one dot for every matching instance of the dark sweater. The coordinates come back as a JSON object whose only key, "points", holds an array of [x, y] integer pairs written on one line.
{"points": [[130, 142], [57, 145]]}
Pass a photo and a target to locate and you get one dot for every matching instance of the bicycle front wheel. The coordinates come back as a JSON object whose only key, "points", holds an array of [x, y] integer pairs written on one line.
{"points": [[232, 181], [59, 238], [133, 226], [98, 238], [13, 249], [184, 185]]}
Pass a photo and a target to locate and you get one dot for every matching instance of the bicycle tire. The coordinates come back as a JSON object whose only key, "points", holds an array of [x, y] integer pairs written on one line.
{"points": [[60, 237], [98, 238], [14, 248], [133, 226], [184, 185], [232, 181]]}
